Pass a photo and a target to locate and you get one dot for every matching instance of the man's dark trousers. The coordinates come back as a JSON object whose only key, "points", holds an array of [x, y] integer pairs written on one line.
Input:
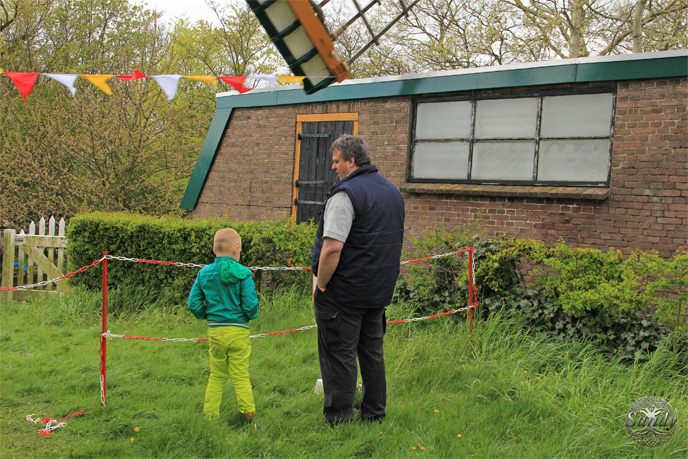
{"points": [[343, 335]]}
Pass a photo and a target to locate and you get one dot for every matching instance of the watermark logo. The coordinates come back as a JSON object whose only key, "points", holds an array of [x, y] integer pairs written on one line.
{"points": [[651, 421]]}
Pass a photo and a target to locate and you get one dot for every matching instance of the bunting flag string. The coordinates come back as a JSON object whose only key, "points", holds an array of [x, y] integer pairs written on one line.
{"points": [[169, 84]]}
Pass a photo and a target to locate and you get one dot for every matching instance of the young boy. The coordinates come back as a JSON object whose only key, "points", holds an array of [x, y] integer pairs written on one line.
{"points": [[224, 293]]}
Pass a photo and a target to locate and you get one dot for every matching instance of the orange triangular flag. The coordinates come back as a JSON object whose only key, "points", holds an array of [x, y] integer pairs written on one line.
{"points": [[237, 82], [291, 79], [23, 81], [204, 79], [99, 81]]}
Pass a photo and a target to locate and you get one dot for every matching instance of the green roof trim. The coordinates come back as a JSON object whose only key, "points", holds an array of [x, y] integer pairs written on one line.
{"points": [[206, 157], [665, 64]]}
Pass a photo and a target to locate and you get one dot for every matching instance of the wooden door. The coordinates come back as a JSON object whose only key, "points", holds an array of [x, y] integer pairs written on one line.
{"points": [[314, 175]]}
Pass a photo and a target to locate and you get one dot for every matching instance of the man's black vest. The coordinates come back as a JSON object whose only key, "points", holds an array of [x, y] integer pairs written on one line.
{"points": [[369, 263]]}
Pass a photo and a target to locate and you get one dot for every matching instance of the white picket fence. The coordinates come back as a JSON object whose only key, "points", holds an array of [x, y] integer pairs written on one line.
{"points": [[29, 258]]}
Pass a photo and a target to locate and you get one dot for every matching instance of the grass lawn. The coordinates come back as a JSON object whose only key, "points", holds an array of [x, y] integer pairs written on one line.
{"points": [[502, 393]]}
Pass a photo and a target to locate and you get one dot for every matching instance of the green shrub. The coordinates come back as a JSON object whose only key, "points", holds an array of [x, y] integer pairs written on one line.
{"points": [[442, 283], [268, 243], [611, 284], [625, 305]]}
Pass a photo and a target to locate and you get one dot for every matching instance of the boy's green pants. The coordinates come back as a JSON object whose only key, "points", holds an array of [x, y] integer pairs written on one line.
{"points": [[230, 348]]}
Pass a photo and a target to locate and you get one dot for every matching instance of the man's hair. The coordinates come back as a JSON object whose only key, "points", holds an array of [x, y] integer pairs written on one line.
{"points": [[350, 146], [224, 241]]}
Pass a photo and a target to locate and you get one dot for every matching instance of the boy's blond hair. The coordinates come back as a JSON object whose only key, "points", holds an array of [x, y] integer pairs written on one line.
{"points": [[225, 241]]}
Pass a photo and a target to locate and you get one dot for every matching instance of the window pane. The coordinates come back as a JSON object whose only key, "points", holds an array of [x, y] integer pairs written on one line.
{"points": [[443, 120], [574, 160], [448, 160], [588, 115], [503, 160], [505, 118]]}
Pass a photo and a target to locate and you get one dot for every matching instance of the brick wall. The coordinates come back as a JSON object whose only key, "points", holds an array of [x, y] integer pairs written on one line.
{"points": [[647, 207]]}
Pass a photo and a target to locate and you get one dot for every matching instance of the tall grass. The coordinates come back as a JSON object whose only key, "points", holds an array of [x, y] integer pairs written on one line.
{"points": [[504, 392]]}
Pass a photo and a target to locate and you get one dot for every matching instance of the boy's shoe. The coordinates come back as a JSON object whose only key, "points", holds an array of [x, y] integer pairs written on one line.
{"points": [[249, 418]]}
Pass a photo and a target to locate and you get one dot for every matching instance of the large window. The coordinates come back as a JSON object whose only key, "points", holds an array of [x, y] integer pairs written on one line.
{"points": [[534, 139]]}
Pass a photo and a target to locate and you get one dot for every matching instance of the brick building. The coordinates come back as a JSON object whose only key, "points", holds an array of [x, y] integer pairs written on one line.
{"points": [[593, 151]]}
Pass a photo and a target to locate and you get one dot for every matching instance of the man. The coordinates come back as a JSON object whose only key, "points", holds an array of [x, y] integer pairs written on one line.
{"points": [[356, 262]]}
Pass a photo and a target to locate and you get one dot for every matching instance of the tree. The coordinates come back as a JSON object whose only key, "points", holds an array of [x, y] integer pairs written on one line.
{"points": [[239, 47], [578, 28], [92, 152], [131, 151], [452, 34], [8, 13]]}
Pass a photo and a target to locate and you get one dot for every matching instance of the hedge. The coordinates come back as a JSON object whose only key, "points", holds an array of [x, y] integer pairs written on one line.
{"points": [[265, 243]]}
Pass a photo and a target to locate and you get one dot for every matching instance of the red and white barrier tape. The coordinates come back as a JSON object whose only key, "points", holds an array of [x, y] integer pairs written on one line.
{"points": [[49, 422], [194, 265], [107, 334], [52, 281]]}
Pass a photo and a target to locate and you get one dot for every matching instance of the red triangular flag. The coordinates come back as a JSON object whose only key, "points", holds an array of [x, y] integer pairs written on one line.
{"points": [[137, 75], [237, 83], [23, 81]]}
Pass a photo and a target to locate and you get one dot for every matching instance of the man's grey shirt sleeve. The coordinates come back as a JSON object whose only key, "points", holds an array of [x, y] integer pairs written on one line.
{"points": [[339, 216]]}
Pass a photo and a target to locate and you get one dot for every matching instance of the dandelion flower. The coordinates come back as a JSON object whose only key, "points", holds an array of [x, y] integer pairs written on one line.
{"points": [[136, 429], [381, 433], [136, 321], [422, 448], [437, 411], [538, 378], [458, 436], [525, 371], [413, 448], [132, 439]]}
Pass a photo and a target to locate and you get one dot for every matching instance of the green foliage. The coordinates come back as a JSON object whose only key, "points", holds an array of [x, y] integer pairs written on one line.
{"points": [[269, 243], [239, 46], [442, 283], [624, 305], [611, 284], [134, 150]]}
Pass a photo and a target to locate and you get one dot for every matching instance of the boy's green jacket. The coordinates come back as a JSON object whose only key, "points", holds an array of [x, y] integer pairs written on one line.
{"points": [[224, 293]]}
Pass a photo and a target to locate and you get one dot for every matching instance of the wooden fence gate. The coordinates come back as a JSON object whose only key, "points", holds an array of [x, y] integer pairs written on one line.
{"points": [[32, 258]]}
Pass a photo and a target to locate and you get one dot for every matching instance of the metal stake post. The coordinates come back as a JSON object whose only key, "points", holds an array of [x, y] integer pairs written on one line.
{"points": [[103, 340]]}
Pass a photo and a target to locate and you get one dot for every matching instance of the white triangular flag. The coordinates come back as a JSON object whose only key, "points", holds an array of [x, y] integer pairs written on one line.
{"points": [[271, 79], [168, 84], [66, 79]]}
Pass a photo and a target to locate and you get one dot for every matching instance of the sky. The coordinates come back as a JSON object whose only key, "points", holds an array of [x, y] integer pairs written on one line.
{"points": [[191, 9]]}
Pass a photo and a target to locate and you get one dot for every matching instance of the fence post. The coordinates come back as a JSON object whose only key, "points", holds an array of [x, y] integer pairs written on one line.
{"points": [[8, 261], [471, 289], [60, 254], [103, 339]]}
